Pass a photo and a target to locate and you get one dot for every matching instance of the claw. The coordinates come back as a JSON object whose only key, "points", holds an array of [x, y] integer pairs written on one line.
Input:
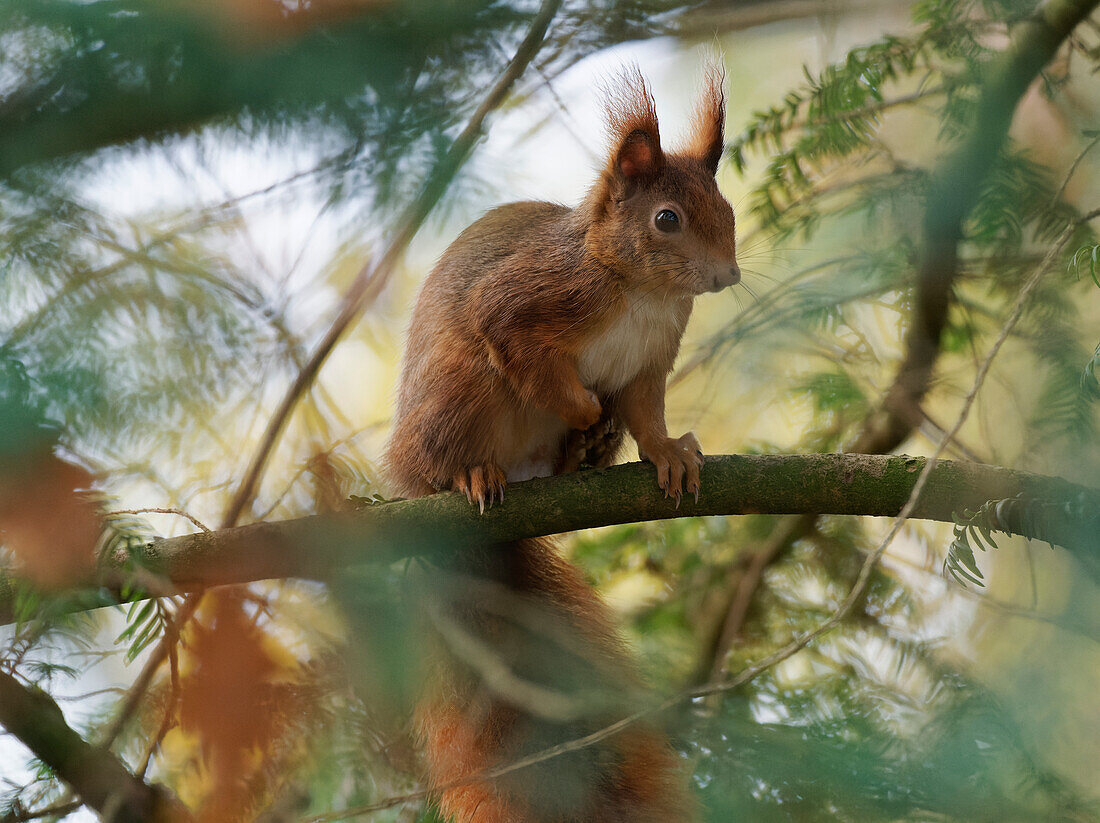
{"points": [[480, 484]]}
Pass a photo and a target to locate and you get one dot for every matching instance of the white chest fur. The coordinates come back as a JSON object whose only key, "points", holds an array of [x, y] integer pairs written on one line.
{"points": [[646, 332]]}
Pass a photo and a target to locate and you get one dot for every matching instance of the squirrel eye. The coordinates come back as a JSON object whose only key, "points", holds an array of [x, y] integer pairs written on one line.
{"points": [[667, 220]]}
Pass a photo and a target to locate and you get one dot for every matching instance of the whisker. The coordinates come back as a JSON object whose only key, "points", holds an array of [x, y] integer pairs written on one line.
{"points": [[749, 290], [737, 297], [760, 274]]}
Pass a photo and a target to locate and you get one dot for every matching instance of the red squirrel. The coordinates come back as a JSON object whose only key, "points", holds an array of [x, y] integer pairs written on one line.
{"points": [[542, 333]]}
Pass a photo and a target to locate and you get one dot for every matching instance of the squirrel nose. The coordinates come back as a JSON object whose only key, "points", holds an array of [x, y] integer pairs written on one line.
{"points": [[722, 276]]}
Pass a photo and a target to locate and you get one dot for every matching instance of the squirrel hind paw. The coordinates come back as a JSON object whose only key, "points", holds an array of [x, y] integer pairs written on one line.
{"points": [[595, 446], [481, 484]]}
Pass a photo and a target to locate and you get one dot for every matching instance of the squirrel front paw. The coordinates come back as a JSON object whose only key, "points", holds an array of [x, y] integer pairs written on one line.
{"points": [[678, 461], [481, 484], [585, 411]]}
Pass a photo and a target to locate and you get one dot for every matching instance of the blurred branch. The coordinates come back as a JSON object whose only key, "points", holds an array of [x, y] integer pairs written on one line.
{"points": [[100, 778], [954, 191], [197, 64], [493, 670], [370, 280], [850, 484]]}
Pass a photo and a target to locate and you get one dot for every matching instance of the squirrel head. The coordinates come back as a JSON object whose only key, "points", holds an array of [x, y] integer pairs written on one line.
{"points": [[657, 217]]}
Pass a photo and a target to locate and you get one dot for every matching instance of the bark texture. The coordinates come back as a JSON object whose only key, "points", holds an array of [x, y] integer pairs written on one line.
{"points": [[853, 484]]}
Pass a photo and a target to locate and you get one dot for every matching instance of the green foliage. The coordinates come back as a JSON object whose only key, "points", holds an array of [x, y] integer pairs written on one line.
{"points": [[832, 115], [1087, 257], [24, 426], [396, 81], [1090, 377], [1064, 414], [973, 530], [1016, 515], [826, 159], [148, 344], [825, 167], [960, 759]]}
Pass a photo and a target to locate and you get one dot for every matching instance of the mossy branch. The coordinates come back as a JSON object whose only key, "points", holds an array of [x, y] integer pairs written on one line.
{"points": [[321, 546]]}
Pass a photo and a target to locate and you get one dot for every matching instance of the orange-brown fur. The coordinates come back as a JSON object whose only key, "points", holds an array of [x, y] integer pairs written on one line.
{"points": [[542, 333]]}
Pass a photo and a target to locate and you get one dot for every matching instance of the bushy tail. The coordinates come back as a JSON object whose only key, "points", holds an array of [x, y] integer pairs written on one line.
{"points": [[531, 661]]}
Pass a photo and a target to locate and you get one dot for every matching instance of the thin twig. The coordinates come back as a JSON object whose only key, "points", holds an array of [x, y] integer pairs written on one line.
{"points": [[160, 510], [59, 810], [169, 709], [141, 684], [1073, 168]]}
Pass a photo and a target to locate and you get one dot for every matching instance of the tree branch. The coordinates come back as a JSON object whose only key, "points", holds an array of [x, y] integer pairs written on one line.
{"points": [[854, 484], [100, 778]]}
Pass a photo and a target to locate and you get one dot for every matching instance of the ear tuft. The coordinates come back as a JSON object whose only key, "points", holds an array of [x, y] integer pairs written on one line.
{"points": [[632, 127], [708, 124]]}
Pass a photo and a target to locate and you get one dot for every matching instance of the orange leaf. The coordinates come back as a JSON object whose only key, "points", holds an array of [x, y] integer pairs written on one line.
{"points": [[48, 521], [227, 701]]}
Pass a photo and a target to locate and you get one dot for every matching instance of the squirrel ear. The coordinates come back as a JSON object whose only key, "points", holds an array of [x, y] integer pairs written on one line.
{"points": [[632, 123], [709, 122]]}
